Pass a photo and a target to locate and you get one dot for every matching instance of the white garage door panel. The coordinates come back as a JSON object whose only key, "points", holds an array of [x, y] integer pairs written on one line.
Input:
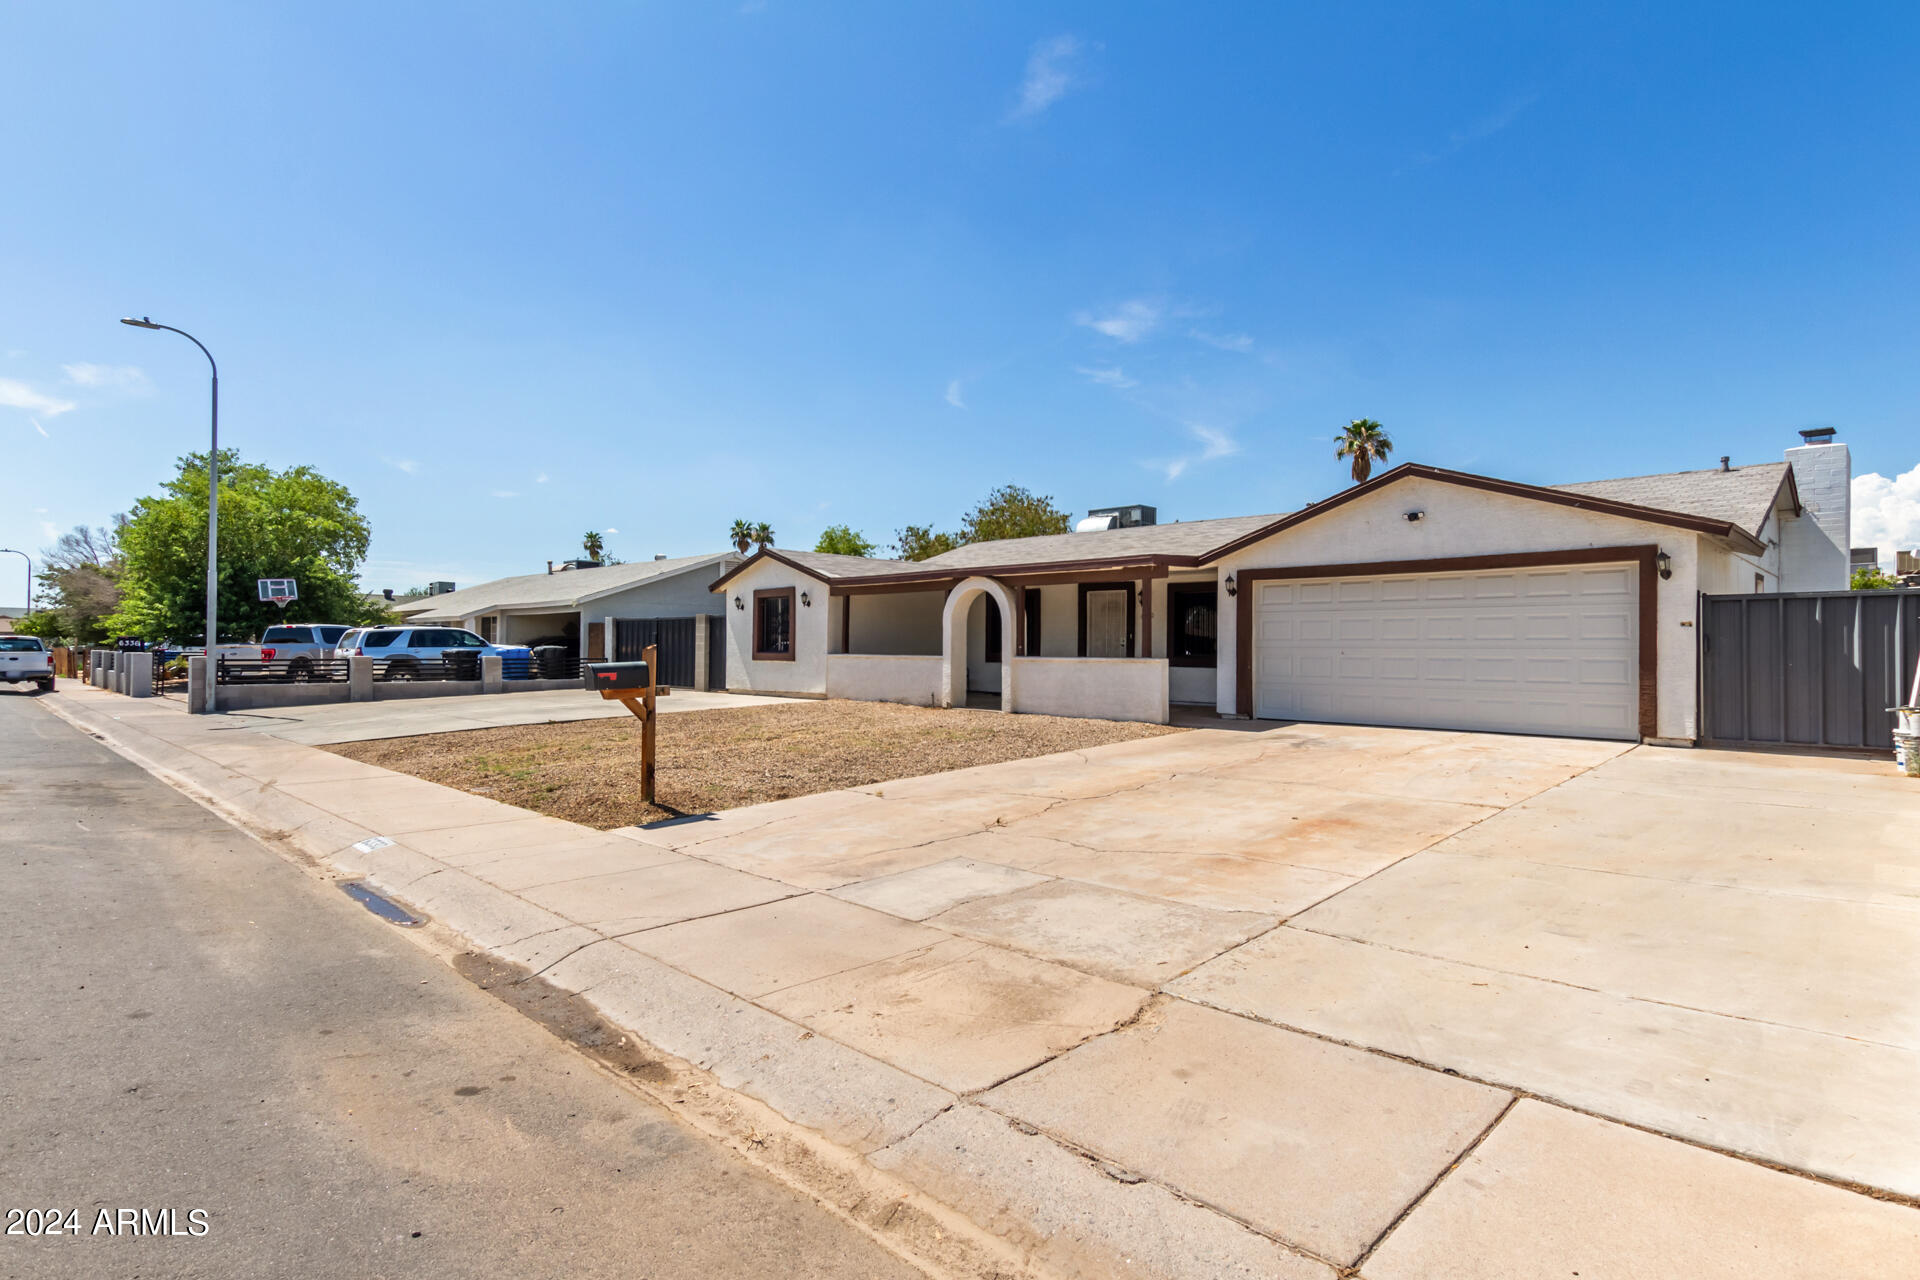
{"points": [[1527, 651]]}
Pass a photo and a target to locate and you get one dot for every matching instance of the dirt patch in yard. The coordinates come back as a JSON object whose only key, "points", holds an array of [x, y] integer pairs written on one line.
{"points": [[589, 771]]}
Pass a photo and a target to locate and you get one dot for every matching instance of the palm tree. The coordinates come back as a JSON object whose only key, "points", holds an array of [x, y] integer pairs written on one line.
{"points": [[741, 535], [1365, 441], [593, 545], [763, 535]]}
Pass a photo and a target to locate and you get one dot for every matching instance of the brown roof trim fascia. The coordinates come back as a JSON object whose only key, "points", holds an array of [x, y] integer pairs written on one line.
{"points": [[1511, 488], [768, 553], [1139, 566]]}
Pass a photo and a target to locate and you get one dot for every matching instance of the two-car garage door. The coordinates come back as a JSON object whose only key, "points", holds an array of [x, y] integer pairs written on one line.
{"points": [[1549, 651]]}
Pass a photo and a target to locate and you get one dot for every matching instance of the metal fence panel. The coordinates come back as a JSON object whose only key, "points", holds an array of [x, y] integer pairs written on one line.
{"points": [[1817, 669], [717, 653], [674, 636]]}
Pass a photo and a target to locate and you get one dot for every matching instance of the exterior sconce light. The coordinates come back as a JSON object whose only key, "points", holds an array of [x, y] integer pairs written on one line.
{"points": [[806, 602], [738, 603], [1415, 517], [1665, 564], [1232, 590]]}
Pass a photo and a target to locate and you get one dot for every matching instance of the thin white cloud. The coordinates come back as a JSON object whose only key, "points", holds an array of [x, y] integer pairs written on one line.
{"points": [[118, 377], [1482, 129], [1173, 469], [611, 529], [541, 478], [1886, 513], [50, 531], [1051, 75], [15, 394], [953, 395], [1215, 443], [1129, 322], [1106, 376], [505, 493], [37, 427], [1241, 342], [407, 465]]}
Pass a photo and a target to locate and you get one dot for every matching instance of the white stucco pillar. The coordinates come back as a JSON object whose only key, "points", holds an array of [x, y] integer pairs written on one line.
{"points": [[702, 640]]}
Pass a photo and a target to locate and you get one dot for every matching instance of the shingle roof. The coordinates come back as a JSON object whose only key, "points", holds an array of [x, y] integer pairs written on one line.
{"points": [[1743, 496], [1185, 538], [826, 565], [566, 589]]}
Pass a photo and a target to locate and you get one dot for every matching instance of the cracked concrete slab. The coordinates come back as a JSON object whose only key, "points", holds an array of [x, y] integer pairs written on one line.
{"points": [[1767, 1091], [1317, 1144], [1121, 936], [782, 944], [961, 1014], [647, 898], [929, 890], [1553, 1193], [1076, 1217]]}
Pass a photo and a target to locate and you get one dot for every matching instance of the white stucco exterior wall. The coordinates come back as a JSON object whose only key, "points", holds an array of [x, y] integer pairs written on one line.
{"points": [[876, 677], [807, 673], [1093, 688], [1463, 521]]}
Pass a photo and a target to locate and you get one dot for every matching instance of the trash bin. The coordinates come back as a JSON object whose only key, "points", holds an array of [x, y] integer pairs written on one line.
{"points": [[551, 661]]}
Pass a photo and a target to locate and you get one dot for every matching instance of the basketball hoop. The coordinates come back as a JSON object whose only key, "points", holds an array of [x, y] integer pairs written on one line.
{"points": [[279, 591], [280, 600]]}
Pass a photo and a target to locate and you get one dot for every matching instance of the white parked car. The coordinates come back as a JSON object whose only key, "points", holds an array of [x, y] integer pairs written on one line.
{"points": [[26, 658]]}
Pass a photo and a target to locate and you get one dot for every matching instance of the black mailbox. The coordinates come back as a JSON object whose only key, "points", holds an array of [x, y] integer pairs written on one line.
{"points": [[617, 675]]}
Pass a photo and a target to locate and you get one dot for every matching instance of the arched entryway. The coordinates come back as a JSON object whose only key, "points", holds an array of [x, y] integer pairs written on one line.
{"points": [[953, 645]]}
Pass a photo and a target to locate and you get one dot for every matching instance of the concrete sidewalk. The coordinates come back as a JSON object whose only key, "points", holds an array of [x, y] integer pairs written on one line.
{"points": [[325, 723], [1057, 994]]}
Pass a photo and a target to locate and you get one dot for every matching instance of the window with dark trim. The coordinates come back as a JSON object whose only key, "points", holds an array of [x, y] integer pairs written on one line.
{"points": [[773, 625], [1032, 606], [992, 648], [1193, 624]]}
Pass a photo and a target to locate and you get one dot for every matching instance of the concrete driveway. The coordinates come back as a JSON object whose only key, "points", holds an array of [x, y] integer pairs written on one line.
{"points": [[1314, 1001], [1352, 949]]}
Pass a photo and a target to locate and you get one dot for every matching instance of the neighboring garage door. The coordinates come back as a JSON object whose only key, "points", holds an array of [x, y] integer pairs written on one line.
{"points": [[1549, 651]]}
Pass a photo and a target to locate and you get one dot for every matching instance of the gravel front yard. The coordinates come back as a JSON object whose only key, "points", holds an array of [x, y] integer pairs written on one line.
{"points": [[589, 771]]}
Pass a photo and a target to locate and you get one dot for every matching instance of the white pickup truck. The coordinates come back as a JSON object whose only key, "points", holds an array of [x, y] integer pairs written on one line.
{"points": [[26, 658]]}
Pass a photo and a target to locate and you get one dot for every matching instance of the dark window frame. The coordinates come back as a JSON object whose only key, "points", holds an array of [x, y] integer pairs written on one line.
{"points": [[1087, 589], [772, 593], [992, 651], [1175, 615], [1030, 609]]}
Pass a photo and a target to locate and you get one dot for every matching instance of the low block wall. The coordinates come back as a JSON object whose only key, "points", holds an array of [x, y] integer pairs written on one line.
{"points": [[1092, 688], [884, 677], [248, 697]]}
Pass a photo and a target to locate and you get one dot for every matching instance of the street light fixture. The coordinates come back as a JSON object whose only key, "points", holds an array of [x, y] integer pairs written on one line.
{"points": [[29, 559], [213, 504]]}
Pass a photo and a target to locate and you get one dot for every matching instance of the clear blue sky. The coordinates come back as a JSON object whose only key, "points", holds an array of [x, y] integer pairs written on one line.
{"points": [[514, 271]]}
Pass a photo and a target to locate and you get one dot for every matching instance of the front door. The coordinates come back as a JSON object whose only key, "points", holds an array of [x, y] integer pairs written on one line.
{"points": [[1107, 619]]}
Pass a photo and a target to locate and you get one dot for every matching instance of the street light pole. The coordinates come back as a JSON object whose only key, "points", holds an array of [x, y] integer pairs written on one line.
{"points": [[213, 507], [29, 559]]}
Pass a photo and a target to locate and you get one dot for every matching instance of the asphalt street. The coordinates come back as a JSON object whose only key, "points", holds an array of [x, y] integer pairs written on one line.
{"points": [[190, 1022]]}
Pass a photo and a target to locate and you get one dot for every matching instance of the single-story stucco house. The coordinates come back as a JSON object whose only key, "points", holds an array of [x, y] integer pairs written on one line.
{"points": [[1422, 597], [582, 603]]}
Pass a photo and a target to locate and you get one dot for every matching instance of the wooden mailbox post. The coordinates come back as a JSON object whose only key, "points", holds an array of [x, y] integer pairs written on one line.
{"points": [[616, 683]]}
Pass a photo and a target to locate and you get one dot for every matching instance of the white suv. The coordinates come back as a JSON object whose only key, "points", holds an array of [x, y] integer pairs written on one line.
{"points": [[400, 653]]}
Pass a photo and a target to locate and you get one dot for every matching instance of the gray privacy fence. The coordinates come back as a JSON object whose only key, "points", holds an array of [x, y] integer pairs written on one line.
{"points": [[1817, 669], [673, 636]]}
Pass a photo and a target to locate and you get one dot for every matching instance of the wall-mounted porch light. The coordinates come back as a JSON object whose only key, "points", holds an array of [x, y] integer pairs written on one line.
{"points": [[806, 602], [738, 603], [1664, 563], [1231, 588]]}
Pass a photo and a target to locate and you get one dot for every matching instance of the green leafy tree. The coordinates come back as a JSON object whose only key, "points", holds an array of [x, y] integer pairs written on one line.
{"points": [[741, 536], [1870, 577], [920, 542], [841, 540], [294, 523], [762, 535], [1366, 442], [1012, 512], [594, 545]]}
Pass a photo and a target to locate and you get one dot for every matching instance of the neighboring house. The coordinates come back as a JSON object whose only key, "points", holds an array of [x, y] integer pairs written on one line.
{"points": [[575, 604], [9, 614], [1422, 597]]}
